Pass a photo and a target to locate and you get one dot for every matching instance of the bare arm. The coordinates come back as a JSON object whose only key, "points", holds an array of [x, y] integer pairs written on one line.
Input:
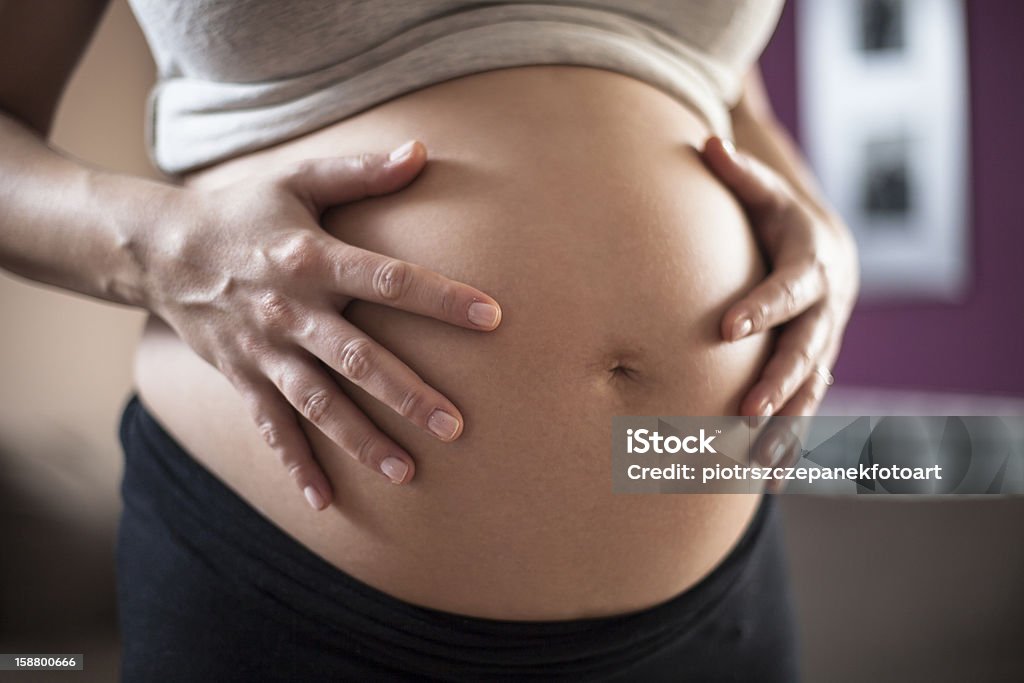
{"points": [[757, 131], [243, 274], [61, 222]]}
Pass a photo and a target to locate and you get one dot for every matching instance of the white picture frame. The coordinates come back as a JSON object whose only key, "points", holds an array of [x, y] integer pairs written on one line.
{"points": [[884, 121]]}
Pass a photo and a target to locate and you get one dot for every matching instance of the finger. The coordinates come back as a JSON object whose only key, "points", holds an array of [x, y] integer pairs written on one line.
{"points": [[776, 446], [772, 445], [377, 371], [338, 180], [755, 185], [793, 360], [365, 275], [281, 431], [779, 445], [809, 396], [784, 294], [312, 392]]}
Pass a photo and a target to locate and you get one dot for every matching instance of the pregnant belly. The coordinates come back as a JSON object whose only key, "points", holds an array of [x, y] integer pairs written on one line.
{"points": [[574, 197]]}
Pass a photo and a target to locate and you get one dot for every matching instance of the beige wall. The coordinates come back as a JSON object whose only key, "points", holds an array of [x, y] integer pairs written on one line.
{"points": [[64, 374], [65, 360]]}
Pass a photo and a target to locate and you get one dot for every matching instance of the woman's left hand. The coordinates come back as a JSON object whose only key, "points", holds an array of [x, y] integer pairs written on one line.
{"points": [[810, 291]]}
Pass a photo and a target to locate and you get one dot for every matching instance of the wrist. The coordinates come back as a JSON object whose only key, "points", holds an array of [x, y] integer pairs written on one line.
{"points": [[134, 228]]}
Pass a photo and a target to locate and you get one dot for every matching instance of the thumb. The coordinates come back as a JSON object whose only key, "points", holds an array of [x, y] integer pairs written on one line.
{"points": [[330, 181], [757, 186]]}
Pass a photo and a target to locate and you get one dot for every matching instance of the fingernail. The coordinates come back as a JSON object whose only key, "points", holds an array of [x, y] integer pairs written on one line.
{"points": [[443, 424], [741, 328], [766, 451], [776, 451], [313, 497], [728, 146], [402, 153], [483, 315], [394, 468], [767, 409]]}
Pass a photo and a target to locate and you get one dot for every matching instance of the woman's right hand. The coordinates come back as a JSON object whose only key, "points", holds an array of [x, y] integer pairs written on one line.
{"points": [[247, 277]]}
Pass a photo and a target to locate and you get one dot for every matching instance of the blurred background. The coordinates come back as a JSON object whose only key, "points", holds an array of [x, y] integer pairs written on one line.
{"points": [[887, 590]]}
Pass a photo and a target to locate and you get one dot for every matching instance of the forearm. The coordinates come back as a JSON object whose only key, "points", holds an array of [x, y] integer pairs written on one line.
{"points": [[66, 224], [758, 132]]}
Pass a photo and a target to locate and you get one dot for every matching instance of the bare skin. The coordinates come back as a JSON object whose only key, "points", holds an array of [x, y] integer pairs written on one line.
{"points": [[215, 265], [576, 198], [612, 287]]}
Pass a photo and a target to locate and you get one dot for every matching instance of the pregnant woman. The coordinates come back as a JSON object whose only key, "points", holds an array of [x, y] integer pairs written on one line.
{"points": [[328, 321]]}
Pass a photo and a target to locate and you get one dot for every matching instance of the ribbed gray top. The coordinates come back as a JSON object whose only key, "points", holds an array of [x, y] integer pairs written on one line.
{"points": [[239, 75]]}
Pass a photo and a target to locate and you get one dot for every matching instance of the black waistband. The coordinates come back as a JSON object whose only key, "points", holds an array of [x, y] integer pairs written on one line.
{"points": [[186, 503]]}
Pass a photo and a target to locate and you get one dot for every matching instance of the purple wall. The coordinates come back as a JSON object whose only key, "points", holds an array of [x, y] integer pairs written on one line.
{"points": [[974, 346]]}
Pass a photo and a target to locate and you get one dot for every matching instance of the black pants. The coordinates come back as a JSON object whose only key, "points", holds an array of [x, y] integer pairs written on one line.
{"points": [[210, 590]]}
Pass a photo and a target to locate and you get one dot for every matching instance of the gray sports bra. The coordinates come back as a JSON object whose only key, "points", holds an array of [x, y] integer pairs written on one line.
{"points": [[238, 75]]}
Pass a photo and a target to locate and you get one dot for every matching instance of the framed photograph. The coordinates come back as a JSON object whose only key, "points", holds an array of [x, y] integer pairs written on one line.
{"points": [[884, 119]]}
